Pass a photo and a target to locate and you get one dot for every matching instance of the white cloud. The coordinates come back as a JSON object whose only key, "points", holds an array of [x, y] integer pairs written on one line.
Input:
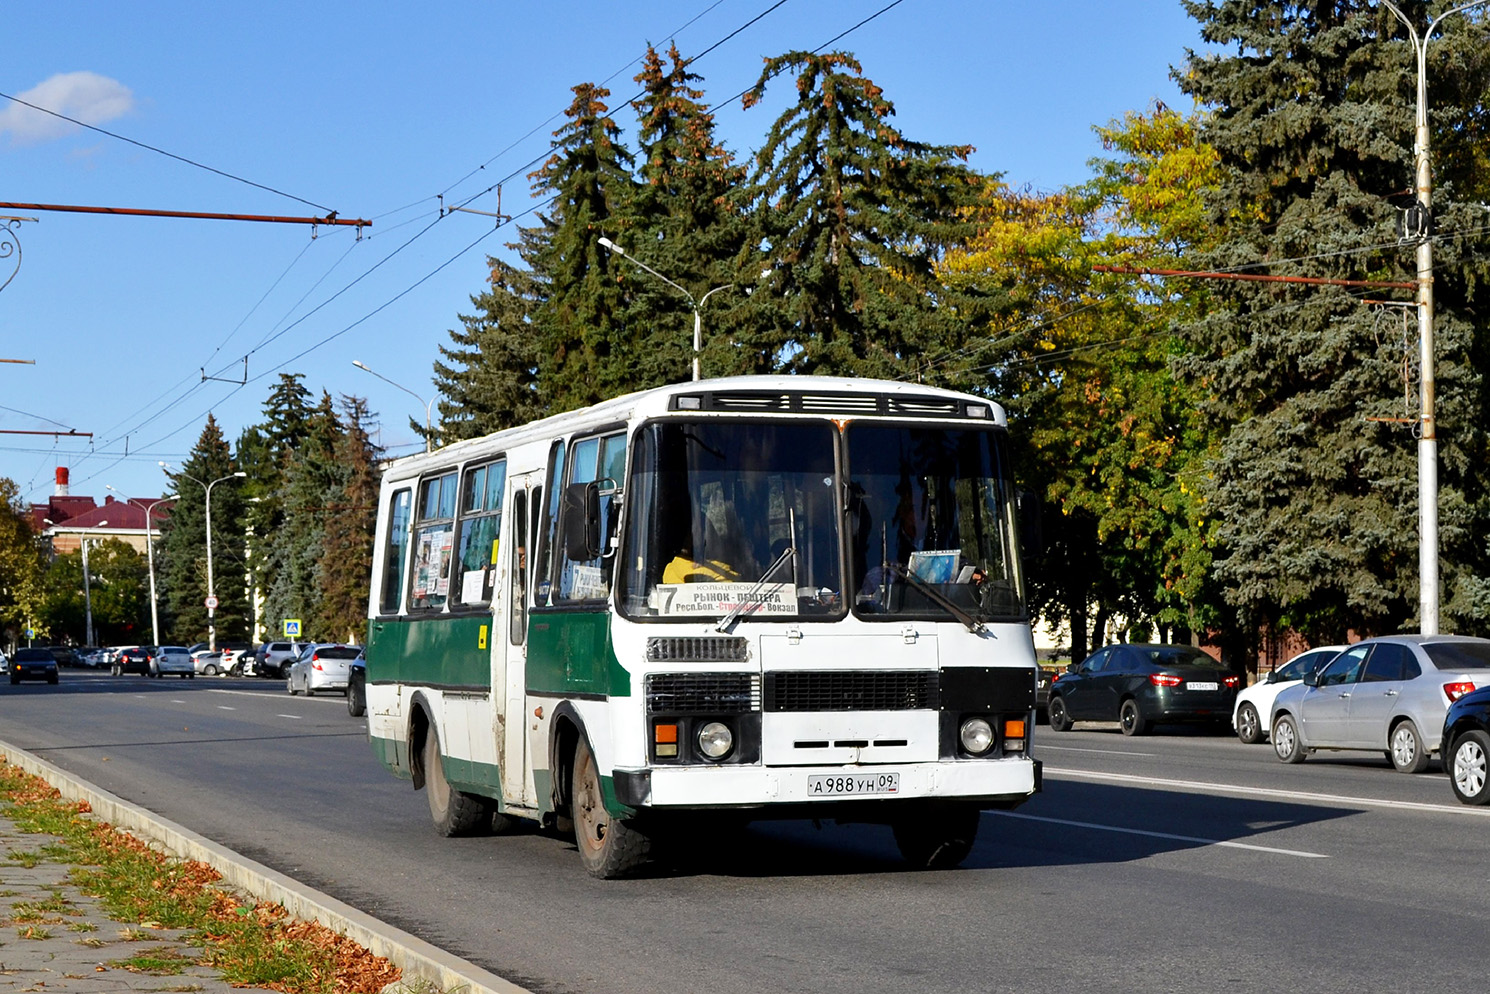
{"points": [[84, 96]]}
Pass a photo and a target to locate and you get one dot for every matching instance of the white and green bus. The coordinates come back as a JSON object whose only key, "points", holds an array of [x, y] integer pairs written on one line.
{"points": [[727, 600]]}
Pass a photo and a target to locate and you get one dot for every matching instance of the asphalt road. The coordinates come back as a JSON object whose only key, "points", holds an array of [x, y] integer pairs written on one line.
{"points": [[1180, 861]]}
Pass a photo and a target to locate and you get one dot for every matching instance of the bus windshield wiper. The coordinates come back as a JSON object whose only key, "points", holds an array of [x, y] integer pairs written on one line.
{"points": [[973, 624], [790, 552]]}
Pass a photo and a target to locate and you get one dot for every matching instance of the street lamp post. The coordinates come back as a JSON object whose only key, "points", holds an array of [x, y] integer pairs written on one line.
{"points": [[698, 333], [1428, 440], [211, 587], [87, 594], [149, 508], [428, 436]]}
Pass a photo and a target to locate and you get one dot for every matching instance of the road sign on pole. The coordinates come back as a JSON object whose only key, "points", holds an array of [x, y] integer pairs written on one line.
{"points": [[211, 603], [292, 628]]}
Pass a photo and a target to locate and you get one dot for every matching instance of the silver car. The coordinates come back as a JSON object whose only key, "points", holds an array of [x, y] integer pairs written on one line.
{"points": [[322, 666], [171, 659], [1382, 695]]}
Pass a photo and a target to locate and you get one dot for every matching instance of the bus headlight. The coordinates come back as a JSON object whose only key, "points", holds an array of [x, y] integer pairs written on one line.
{"points": [[976, 735], [715, 740]]}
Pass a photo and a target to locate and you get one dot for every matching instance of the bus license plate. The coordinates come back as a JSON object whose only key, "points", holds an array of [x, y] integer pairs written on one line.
{"points": [[846, 784]]}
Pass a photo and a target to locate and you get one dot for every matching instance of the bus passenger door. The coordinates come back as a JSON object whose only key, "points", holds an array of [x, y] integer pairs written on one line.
{"points": [[509, 676]]}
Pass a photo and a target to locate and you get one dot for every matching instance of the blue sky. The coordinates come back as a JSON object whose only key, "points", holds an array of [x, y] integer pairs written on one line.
{"points": [[373, 109]]}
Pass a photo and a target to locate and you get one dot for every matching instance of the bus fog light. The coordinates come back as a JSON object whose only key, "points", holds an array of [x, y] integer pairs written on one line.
{"points": [[976, 735], [715, 740]]}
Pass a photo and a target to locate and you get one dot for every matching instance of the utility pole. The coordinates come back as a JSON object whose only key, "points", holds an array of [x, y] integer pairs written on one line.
{"points": [[1428, 599]]}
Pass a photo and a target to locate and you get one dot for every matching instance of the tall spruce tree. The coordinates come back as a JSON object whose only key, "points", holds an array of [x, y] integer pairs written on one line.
{"points": [[487, 377], [345, 567], [1315, 487], [587, 351], [313, 480], [684, 222], [850, 217], [265, 451], [182, 553]]}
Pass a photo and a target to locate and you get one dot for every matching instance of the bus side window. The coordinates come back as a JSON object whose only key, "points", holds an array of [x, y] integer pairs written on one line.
{"points": [[517, 565], [600, 461], [395, 552], [544, 571], [480, 526], [434, 532]]}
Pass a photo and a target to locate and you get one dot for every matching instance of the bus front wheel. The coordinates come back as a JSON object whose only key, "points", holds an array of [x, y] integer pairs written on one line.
{"points": [[454, 812], [937, 840], [608, 847]]}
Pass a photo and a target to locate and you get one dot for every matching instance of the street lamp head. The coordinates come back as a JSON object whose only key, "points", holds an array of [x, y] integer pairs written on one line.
{"points": [[606, 243], [359, 364], [240, 474]]}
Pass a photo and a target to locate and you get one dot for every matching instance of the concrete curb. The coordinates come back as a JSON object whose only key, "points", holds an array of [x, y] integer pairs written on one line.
{"points": [[419, 960]]}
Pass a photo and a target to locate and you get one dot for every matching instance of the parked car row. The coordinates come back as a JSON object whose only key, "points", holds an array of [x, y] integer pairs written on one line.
{"points": [[1404, 696]]}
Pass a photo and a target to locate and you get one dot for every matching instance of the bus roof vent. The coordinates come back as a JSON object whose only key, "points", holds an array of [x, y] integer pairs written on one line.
{"points": [[697, 649], [924, 406], [832, 403]]}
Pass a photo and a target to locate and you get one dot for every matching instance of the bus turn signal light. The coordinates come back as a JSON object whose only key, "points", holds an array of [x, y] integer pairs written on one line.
{"points": [[665, 739]]}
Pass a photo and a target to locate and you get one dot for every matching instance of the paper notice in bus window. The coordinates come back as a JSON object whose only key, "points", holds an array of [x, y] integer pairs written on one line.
{"points": [[683, 599], [473, 586]]}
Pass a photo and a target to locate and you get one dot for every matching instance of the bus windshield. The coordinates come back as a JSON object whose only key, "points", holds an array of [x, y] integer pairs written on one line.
{"points": [[931, 523], [727, 515]]}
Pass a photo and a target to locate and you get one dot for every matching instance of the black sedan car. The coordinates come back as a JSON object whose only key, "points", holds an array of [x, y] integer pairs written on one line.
{"points": [[1140, 684], [134, 659], [357, 686], [1465, 747], [33, 664]]}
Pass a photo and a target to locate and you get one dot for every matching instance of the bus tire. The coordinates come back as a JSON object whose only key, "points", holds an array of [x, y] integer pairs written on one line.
{"points": [[454, 812], [937, 839], [609, 847]]}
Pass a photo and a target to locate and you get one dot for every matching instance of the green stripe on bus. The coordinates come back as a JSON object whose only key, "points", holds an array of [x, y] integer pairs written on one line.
{"points": [[440, 650], [570, 653]]}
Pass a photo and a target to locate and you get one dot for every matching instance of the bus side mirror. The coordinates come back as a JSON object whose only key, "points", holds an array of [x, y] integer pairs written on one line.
{"points": [[1031, 534], [581, 521]]}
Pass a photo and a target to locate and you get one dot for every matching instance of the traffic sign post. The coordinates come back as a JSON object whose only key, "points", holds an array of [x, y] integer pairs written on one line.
{"points": [[292, 628]]}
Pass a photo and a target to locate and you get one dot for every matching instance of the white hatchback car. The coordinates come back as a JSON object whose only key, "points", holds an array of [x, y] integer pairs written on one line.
{"points": [[1252, 715], [322, 666], [172, 659]]}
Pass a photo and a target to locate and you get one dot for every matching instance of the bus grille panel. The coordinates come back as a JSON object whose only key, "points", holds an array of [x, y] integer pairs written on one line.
{"points": [[703, 693], [816, 690]]}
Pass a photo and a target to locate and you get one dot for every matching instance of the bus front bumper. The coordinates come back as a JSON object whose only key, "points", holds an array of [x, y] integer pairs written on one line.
{"points": [[994, 783]]}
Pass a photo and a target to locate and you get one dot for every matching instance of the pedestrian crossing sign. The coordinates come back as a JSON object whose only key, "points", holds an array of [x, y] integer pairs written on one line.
{"points": [[292, 628]]}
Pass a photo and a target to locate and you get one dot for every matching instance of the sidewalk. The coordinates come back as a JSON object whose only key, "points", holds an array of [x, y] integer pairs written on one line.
{"points": [[53, 938]]}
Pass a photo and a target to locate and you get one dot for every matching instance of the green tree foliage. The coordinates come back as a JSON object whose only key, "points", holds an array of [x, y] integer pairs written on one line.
{"points": [[487, 377], [265, 451], [1105, 433], [344, 570], [182, 551], [312, 491], [851, 217], [587, 349], [118, 589], [1310, 110], [684, 222], [20, 563]]}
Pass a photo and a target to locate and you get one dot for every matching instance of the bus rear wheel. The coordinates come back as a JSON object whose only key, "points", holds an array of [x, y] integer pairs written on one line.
{"points": [[608, 847], [937, 839], [454, 812]]}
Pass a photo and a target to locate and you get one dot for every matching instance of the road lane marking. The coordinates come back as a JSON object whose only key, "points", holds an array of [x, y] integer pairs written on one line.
{"points": [[1287, 795], [1165, 835], [224, 707], [1099, 752], [175, 701], [295, 716]]}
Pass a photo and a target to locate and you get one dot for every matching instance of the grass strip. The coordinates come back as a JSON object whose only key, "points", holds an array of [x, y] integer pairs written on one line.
{"points": [[250, 944]]}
